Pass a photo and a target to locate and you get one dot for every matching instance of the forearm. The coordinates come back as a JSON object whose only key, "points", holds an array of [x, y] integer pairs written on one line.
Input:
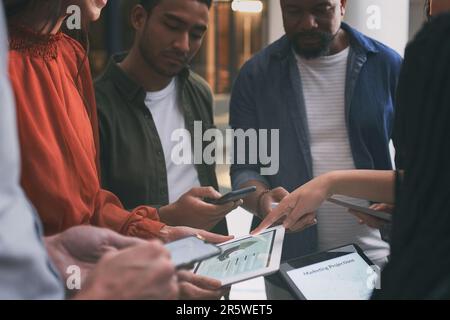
{"points": [[251, 201], [373, 185]]}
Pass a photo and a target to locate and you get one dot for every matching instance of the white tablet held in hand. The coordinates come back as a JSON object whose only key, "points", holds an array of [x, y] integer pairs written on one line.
{"points": [[245, 258]]}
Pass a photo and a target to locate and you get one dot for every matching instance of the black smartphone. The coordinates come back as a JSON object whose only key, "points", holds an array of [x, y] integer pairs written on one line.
{"points": [[385, 216], [188, 251], [232, 196]]}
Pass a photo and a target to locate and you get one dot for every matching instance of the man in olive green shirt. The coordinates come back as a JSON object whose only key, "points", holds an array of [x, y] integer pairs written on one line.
{"points": [[143, 98]]}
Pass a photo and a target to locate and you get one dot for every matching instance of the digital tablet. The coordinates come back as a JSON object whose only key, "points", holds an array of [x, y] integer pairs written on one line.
{"points": [[245, 258], [378, 214], [344, 273]]}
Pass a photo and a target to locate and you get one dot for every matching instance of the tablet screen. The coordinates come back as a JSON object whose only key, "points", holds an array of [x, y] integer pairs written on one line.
{"points": [[241, 257], [346, 277]]}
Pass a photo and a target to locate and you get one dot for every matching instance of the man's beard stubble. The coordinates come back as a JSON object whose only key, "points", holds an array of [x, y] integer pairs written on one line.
{"points": [[322, 49]]}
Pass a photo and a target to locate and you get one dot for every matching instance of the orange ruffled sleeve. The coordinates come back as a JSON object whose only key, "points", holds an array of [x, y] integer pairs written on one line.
{"points": [[142, 222]]}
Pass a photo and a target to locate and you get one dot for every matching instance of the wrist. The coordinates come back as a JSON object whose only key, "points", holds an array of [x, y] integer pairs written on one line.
{"points": [[162, 211], [164, 234], [91, 292], [50, 243], [166, 213], [330, 183], [54, 251], [259, 201]]}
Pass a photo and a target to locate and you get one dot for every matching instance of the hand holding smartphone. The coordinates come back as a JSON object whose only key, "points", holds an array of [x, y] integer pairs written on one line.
{"points": [[232, 196], [188, 251], [385, 216]]}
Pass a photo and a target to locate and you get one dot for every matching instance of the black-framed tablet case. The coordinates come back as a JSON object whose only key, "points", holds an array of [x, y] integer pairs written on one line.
{"points": [[315, 258]]}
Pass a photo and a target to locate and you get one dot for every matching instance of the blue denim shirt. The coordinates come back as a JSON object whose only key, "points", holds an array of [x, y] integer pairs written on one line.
{"points": [[267, 95]]}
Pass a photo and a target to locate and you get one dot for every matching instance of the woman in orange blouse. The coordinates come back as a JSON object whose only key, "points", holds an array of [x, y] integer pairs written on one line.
{"points": [[58, 126]]}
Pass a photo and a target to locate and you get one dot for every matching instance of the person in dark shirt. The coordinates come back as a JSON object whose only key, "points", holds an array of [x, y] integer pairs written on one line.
{"points": [[146, 97]]}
